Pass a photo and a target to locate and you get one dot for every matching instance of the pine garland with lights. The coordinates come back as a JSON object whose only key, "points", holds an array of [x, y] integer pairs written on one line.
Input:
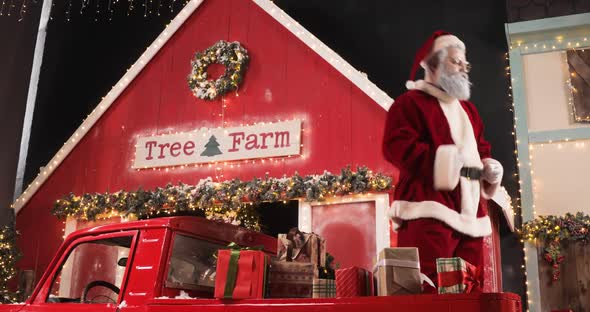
{"points": [[553, 231], [9, 254], [231, 201], [231, 55]]}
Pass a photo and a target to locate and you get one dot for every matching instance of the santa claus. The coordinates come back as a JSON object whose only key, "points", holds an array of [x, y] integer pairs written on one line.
{"points": [[434, 136]]}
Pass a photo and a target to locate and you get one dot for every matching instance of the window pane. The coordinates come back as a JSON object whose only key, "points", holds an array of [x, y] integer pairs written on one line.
{"points": [[95, 268], [192, 264]]}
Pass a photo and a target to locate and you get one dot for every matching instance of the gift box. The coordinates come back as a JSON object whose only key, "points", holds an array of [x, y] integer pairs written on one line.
{"points": [[456, 276], [240, 274], [291, 279], [297, 246], [324, 288], [353, 282], [398, 272]]}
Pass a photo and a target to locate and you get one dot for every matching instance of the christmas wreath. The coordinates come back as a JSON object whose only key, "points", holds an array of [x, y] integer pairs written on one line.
{"points": [[553, 232], [229, 54]]}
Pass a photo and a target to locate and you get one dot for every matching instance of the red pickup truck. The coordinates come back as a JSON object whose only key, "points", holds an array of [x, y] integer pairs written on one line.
{"points": [[168, 264]]}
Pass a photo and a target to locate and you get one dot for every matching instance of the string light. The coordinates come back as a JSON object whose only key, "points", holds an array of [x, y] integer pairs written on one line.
{"points": [[84, 4], [23, 10], [2, 7], [130, 7], [518, 210], [9, 255], [546, 46], [226, 197], [69, 10]]}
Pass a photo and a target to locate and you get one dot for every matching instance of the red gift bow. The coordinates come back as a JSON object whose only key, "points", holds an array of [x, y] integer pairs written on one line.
{"points": [[470, 278]]}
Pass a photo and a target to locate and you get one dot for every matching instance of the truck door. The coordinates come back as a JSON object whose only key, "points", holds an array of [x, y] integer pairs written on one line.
{"points": [[90, 276]]}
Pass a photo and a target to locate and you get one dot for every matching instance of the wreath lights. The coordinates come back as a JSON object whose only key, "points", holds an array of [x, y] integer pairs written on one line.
{"points": [[229, 54], [231, 201], [552, 232]]}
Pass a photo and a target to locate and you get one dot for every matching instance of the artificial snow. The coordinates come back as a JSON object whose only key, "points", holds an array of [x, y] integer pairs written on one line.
{"points": [[183, 295]]}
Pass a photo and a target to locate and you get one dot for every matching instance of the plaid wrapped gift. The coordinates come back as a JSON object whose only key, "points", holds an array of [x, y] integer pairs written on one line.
{"points": [[324, 288], [456, 276]]}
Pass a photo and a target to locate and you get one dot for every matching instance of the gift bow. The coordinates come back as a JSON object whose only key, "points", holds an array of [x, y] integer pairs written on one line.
{"points": [[232, 271], [470, 278]]}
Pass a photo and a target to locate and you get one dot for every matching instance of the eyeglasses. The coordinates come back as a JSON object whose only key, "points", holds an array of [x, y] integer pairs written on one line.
{"points": [[466, 65]]}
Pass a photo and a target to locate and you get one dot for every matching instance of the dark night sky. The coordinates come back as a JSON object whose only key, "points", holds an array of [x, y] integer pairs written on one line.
{"points": [[87, 55]]}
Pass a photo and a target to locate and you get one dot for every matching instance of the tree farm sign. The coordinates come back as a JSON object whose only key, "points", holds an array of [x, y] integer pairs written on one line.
{"points": [[220, 144]]}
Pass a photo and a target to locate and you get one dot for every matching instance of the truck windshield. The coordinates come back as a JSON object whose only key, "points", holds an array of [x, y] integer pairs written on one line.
{"points": [[92, 273]]}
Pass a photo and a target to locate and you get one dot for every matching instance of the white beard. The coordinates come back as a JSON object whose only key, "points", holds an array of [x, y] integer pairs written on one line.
{"points": [[456, 85]]}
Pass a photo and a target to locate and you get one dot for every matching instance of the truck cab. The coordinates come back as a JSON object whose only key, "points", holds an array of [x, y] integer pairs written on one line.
{"points": [[109, 267], [169, 264]]}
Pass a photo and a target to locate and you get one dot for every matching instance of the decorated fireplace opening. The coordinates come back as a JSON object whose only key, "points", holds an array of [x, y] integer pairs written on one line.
{"points": [[345, 221]]}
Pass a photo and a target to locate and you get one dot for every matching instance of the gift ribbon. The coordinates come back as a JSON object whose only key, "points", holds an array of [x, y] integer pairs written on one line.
{"points": [[232, 274], [368, 283], [232, 271], [403, 264], [470, 278]]}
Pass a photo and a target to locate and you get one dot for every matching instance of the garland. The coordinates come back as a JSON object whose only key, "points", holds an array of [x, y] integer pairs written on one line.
{"points": [[9, 254], [552, 231], [231, 201], [231, 55]]}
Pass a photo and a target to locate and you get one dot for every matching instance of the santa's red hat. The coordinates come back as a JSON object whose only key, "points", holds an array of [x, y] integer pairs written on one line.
{"points": [[439, 40]]}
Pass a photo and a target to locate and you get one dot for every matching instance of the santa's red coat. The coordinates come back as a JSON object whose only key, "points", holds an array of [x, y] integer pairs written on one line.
{"points": [[422, 127]]}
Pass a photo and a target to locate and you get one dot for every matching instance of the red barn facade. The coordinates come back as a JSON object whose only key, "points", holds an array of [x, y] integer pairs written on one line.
{"points": [[291, 76]]}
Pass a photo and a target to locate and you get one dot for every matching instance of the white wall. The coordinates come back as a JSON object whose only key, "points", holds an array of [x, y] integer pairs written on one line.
{"points": [[561, 177]]}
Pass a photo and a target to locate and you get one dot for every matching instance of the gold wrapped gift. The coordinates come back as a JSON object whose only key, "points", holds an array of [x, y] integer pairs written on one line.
{"points": [[398, 272]]}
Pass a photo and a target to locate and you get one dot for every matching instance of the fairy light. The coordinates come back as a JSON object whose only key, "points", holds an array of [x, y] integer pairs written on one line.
{"points": [[9, 254], [2, 7], [84, 5], [130, 7], [228, 193], [518, 209], [23, 10]]}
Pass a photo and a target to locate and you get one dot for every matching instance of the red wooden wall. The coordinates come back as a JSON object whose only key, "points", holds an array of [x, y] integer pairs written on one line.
{"points": [[285, 80]]}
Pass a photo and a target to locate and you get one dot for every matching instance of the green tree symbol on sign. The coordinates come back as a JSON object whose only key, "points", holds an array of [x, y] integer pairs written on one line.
{"points": [[211, 148]]}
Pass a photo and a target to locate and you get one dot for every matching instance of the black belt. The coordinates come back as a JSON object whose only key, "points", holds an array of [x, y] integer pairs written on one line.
{"points": [[471, 173]]}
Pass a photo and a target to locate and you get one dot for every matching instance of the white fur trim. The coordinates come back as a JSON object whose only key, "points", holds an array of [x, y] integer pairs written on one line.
{"points": [[468, 225], [447, 41], [488, 190], [410, 85], [447, 167]]}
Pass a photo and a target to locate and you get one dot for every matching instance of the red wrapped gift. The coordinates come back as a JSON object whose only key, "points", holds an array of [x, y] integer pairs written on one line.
{"points": [[353, 282], [240, 274]]}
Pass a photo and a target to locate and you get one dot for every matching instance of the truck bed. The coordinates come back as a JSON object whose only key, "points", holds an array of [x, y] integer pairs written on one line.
{"points": [[496, 302]]}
